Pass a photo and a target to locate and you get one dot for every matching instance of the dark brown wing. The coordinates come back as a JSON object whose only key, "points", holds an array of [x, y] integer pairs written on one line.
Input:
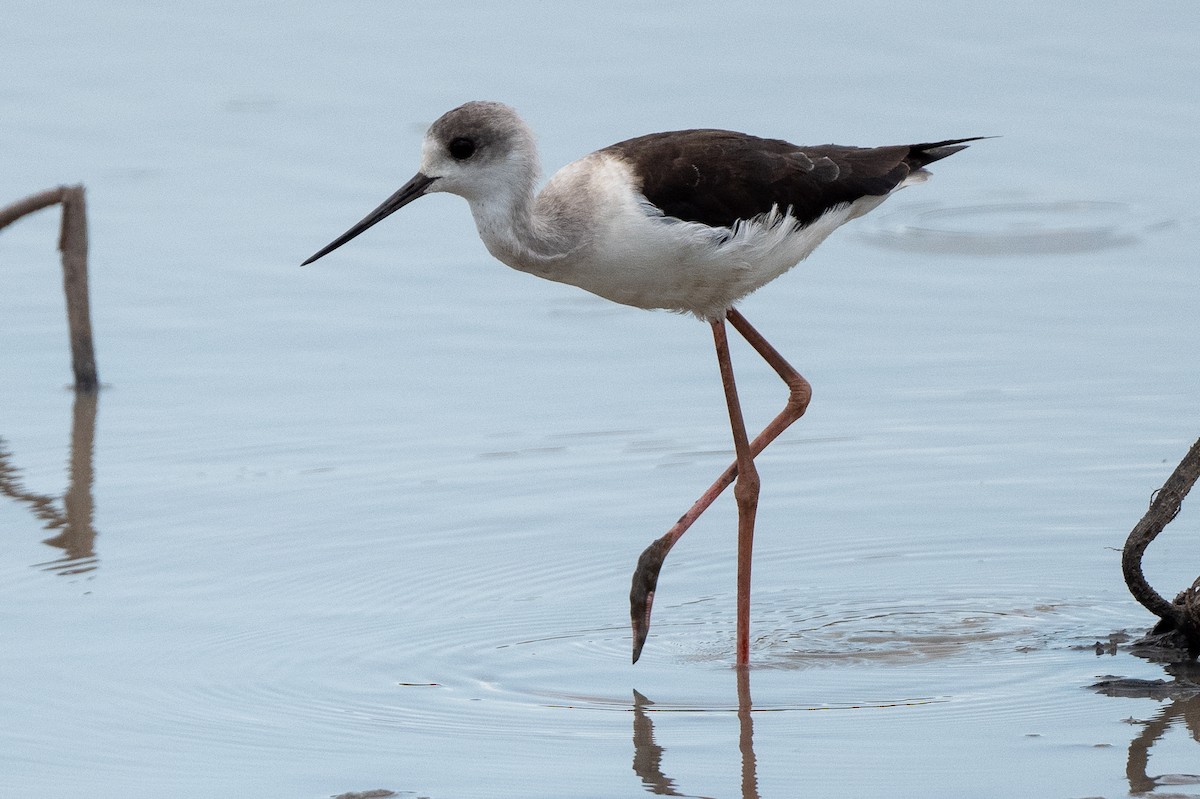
{"points": [[718, 177]]}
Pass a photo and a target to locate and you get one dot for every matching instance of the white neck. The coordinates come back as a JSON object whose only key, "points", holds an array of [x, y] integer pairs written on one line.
{"points": [[522, 230]]}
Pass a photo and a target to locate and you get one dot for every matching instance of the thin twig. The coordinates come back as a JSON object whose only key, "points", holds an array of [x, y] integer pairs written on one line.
{"points": [[34, 202]]}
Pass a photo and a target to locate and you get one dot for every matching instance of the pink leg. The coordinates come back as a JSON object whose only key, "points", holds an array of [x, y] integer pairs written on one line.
{"points": [[746, 493], [645, 576]]}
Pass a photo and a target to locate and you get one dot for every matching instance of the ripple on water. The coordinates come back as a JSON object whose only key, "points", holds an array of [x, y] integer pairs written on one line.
{"points": [[1014, 229], [475, 667], [971, 653]]}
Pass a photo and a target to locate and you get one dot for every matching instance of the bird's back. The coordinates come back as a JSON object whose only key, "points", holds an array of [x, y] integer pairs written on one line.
{"points": [[718, 177]]}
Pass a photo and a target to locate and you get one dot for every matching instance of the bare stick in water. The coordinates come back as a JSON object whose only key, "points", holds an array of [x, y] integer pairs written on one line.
{"points": [[73, 243]]}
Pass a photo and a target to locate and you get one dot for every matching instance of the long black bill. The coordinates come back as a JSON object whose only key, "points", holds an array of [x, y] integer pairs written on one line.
{"points": [[407, 193]]}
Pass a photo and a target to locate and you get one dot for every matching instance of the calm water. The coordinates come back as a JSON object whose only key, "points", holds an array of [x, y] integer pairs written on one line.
{"points": [[370, 524]]}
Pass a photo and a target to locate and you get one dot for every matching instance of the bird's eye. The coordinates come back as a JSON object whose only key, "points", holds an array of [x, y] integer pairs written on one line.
{"points": [[462, 149]]}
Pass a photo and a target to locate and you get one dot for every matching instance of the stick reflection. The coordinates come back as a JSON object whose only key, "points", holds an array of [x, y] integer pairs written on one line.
{"points": [[648, 755], [73, 521], [1182, 707]]}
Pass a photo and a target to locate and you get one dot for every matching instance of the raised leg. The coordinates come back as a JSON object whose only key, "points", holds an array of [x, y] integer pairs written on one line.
{"points": [[645, 576]]}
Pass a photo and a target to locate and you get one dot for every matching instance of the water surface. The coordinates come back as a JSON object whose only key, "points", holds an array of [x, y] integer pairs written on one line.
{"points": [[370, 524]]}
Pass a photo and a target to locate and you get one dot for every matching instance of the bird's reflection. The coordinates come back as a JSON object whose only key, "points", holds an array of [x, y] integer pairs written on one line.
{"points": [[1182, 706], [746, 737], [648, 755], [72, 520]]}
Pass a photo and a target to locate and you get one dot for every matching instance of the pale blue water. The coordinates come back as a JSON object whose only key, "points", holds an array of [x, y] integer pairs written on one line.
{"points": [[370, 523]]}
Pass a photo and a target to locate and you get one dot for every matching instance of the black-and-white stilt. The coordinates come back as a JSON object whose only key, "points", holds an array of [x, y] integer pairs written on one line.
{"points": [[690, 220]]}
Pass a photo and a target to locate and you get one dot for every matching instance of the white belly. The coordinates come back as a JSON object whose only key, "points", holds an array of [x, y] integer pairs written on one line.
{"points": [[654, 262]]}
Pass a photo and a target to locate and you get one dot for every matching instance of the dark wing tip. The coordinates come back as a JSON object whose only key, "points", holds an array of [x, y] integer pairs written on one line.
{"points": [[927, 153]]}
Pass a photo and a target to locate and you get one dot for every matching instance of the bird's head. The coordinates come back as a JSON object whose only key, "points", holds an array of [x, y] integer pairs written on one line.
{"points": [[482, 151]]}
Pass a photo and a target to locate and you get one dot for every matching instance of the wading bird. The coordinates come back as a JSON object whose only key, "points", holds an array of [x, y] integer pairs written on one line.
{"points": [[689, 221]]}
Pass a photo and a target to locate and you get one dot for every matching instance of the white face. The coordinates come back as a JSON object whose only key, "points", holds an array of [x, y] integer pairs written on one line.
{"points": [[452, 175], [476, 171], [480, 151]]}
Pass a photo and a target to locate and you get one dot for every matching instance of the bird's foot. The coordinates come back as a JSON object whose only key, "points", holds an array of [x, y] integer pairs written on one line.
{"points": [[641, 593]]}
